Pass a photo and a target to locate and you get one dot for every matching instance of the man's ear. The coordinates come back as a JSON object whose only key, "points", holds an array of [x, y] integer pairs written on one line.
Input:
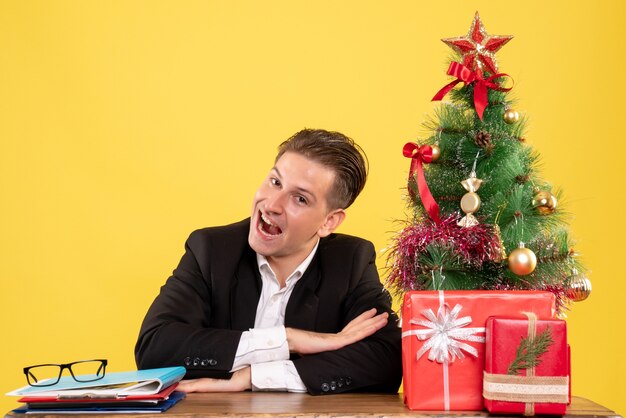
{"points": [[333, 220]]}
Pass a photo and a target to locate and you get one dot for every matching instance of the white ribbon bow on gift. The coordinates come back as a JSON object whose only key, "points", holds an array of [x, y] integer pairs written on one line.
{"points": [[444, 333]]}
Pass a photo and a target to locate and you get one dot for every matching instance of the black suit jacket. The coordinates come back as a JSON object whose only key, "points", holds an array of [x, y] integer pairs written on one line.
{"points": [[211, 298]]}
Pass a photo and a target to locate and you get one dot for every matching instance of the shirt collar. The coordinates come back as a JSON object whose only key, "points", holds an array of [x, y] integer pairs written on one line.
{"points": [[262, 262]]}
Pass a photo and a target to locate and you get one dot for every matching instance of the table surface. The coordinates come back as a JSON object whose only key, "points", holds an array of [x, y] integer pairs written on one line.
{"points": [[268, 404]]}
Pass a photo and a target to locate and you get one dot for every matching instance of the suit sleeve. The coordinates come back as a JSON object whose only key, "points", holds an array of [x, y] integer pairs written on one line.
{"points": [[176, 330], [373, 364]]}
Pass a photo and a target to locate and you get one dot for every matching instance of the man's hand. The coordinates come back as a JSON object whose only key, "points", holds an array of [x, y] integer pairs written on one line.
{"points": [[239, 381], [308, 342]]}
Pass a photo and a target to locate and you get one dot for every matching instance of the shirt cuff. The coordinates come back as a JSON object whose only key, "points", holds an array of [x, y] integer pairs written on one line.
{"points": [[261, 345], [279, 376]]}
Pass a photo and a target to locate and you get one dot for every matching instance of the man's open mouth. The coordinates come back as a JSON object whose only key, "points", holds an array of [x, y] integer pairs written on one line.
{"points": [[267, 227]]}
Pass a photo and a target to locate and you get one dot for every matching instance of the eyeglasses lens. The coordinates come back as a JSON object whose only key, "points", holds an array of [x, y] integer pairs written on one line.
{"points": [[86, 371], [43, 375]]}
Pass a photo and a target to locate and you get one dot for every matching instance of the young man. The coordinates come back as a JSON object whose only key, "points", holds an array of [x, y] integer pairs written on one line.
{"points": [[278, 301]]}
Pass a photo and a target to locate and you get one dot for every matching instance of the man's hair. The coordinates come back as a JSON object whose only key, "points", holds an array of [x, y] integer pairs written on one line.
{"points": [[337, 152]]}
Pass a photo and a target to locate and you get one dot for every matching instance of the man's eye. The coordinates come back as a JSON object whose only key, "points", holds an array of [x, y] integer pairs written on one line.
{"points": [[302, 200], [275, 182]]}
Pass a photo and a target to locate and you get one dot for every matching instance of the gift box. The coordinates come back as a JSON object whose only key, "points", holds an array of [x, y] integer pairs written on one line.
{"points": [[443, 343], [526, 366]]}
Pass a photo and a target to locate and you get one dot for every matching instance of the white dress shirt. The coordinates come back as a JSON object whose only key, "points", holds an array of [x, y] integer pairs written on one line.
{"points": [[264, 348]]}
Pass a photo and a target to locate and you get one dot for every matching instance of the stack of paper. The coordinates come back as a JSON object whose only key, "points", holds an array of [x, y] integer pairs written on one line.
{"points": [[150, 390]]}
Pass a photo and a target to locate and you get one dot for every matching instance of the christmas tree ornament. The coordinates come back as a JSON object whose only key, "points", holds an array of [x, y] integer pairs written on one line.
{"points": [[482, 139], [545, 202], [498, 235], [478, 48], [436, 152], [473, 247], [511, 116], [522, 260], [481, 85], [522, 178], [470, 202], [435, 146], [419, 156], [577, 287]]}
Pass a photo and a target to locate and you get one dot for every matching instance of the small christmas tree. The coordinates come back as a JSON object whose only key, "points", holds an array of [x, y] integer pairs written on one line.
{"points": [[483, 218]]}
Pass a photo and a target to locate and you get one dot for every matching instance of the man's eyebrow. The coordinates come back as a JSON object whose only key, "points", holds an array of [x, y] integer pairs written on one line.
{"points": [[298, 188], [305, 191]]}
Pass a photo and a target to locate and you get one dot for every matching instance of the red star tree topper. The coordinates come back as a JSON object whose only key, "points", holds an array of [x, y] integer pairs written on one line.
{"points": [[478, 48]]}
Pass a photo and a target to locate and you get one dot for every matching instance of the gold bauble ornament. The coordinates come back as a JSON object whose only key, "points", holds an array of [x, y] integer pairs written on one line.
{"points": [[545, 202], [577, 287], [436, 152], [522, 260], [511, 116]]}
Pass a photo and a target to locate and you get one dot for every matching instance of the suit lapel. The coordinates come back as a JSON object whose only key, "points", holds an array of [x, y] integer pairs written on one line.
{"points": [[301, 311], [245, 292]]}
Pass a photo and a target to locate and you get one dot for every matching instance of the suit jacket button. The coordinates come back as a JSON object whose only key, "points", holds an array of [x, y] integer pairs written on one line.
{"points": [[204, 362], [196, 361], [212, 362], [340, 382], [333, 385], [187, 361], [325, 387]]}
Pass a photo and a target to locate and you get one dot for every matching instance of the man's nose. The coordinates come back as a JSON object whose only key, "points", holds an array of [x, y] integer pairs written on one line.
{"points": [[274, 202]]}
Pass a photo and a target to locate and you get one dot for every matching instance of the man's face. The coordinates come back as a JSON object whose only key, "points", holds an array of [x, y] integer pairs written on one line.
{"points": [[290, 210]]}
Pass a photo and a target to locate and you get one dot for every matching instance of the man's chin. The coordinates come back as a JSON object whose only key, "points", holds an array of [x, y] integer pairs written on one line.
{"points": [[261, 246]]}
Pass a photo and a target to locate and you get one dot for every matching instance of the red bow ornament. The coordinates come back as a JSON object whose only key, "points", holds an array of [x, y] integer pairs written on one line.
{"points": [[420, 155], [481, 85]]}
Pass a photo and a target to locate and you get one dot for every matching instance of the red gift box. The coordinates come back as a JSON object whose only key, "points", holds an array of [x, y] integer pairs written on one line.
{"points": [[443, 350], [543, 389]]}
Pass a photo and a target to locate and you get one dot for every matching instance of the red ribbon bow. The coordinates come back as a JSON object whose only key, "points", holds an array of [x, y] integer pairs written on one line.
{"points": [[464, 74], [419, 155]]}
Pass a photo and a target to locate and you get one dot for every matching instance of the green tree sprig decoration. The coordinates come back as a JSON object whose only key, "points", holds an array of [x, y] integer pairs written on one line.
{"points": [[529, 352]]}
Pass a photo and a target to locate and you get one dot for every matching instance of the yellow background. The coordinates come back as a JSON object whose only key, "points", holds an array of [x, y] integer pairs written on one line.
{"points": [[124, 125]]}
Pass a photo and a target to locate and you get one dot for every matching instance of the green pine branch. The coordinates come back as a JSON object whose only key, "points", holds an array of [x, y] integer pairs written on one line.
{"points": [[529, 352]]}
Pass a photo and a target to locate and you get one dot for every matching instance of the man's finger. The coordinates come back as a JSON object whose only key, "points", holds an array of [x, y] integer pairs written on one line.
{"points": [[370, 313], [364, 320], [359, 319], [199, 385], [356, 332], [186, 386]]}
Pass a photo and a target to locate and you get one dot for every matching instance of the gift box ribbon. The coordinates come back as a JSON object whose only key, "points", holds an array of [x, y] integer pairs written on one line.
{"points": [[444, 334], [529, 389]]}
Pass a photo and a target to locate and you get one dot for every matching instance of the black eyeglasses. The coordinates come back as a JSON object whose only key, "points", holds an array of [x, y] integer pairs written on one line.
{"points": [[50, 374]]}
